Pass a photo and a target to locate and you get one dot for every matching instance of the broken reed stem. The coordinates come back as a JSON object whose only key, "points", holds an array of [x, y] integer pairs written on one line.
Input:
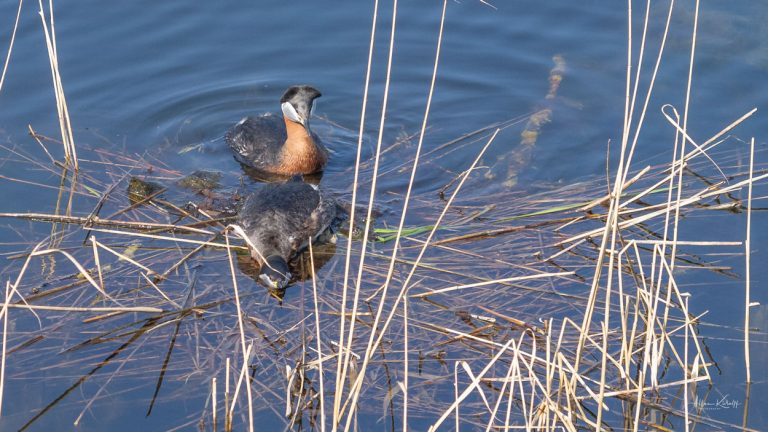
{"points": [[120, 256], [36, 252], [97, 262], [162, 294]]}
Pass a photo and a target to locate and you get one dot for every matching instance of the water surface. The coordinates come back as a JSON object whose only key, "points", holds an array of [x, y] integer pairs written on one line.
{"points": [[165, 80]]}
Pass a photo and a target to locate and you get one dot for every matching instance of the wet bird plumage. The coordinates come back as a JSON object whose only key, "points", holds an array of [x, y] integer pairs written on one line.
{"points": [[279, 219]]}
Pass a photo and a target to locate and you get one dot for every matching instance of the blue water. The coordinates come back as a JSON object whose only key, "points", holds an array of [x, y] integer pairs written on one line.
{"points": [[160, 78]]}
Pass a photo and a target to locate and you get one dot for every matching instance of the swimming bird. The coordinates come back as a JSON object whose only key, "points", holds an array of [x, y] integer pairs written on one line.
{"points": [[284, 146], [279, 219]]}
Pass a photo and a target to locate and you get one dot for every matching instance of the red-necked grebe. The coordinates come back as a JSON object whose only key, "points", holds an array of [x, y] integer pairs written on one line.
{"points": [[279, 219], [281, 146]]}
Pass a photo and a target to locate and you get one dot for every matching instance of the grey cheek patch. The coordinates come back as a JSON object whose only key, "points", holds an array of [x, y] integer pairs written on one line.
{"points": [[290, 112]]}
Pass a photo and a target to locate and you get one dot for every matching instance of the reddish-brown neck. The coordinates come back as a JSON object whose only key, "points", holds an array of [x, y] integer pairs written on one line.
{"points": [[300, 154], [295, 130]]}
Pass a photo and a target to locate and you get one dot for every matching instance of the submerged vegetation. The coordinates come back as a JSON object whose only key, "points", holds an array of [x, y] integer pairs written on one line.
{"points": [[561, 309]]}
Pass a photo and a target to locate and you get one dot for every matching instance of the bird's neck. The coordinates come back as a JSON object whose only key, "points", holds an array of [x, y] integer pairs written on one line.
{"points": [[296, 131], [300, 150]]}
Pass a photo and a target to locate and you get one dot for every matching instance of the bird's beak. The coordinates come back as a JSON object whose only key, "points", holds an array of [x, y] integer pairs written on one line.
{"points": [[275, 280], [291, 114], [276, 284]]}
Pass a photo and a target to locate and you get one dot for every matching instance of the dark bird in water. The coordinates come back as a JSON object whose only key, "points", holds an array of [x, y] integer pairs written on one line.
{"points": [[279, 219], [284, 146]]}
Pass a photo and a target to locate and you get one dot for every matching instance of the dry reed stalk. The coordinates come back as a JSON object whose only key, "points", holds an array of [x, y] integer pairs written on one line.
{"points": [[748, 254], [213, 404], [678, 165], [89, 222], [406, 201], [612, 220], [121, 257], [6, 303], [10, 50], [412, 177], [153, 285], [372, 346], [31, 183], [490, 282], [456, 416], [340, 364], [404, 383], [508, 380], [240, 326], [227, 400], [97, 262], [317, 335], [123, 309], [661, 249], [243, 376], [68, 140], [472, 386], [44, 167], [171, 239], [82, 271], [611, 228], [366, 231], [698, 196], [648, 93]]}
